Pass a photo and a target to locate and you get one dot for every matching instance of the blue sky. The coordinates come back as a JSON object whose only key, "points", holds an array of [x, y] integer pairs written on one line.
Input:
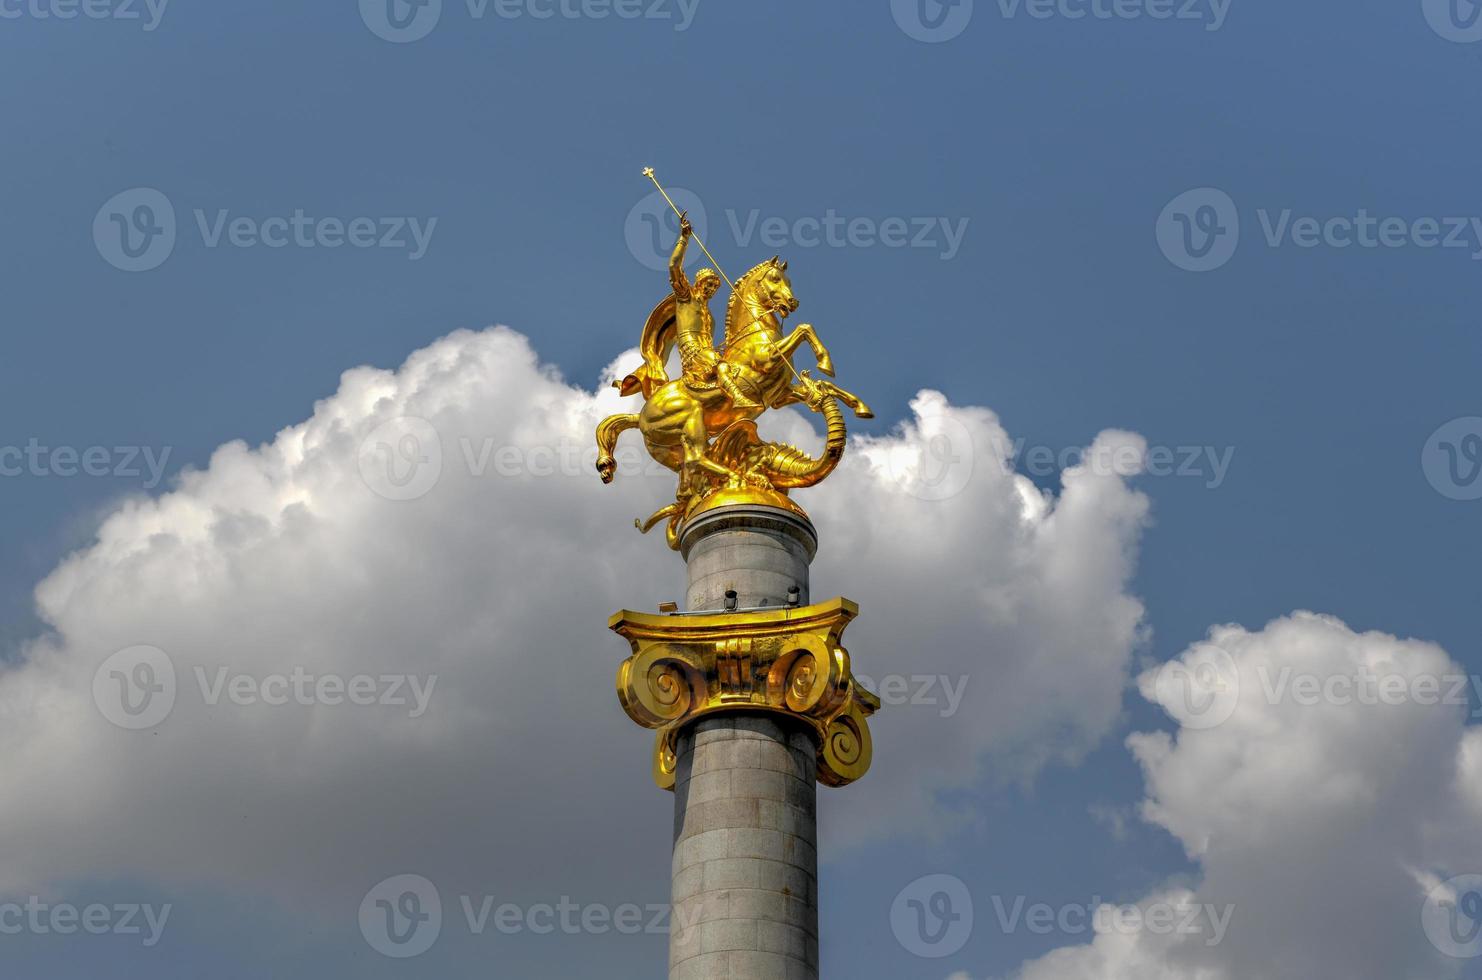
{"points": [[1032, 159]]}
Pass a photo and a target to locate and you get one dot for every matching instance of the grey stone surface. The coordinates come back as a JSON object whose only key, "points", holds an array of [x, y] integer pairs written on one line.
{"points": [[745, 860], [757, 552]]}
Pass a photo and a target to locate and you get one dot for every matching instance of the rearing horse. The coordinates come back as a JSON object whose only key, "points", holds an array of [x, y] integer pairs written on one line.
{"points": [[677, 422]]}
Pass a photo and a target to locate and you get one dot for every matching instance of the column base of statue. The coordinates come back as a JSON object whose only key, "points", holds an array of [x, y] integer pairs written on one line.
{"points": [[754, 701]]}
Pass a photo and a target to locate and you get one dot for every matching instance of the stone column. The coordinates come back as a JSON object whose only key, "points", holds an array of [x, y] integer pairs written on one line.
{"points": [[760, 553], [745, 864], [754, 701]]}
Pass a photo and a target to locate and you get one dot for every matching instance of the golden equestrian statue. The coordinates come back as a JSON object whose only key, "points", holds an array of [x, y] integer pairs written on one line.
{"points": [[702, 424]]}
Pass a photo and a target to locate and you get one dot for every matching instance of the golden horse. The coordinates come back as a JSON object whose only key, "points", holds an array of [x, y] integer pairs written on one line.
{"points": [[678, 421]]}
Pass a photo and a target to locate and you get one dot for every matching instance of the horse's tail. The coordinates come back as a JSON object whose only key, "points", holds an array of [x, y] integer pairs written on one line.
{"points": [[608, 431]]}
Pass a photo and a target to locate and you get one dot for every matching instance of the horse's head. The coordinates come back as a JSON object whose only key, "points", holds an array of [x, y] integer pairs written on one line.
{"points": [[767, 286], [763, 293], [774, 288]]}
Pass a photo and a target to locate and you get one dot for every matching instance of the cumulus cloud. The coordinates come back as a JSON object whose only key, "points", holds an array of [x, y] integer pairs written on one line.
{"points": [[443, 519], [1327, 785]]}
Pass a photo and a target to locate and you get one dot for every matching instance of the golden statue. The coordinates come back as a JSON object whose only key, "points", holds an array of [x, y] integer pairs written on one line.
{"points": [[784, 658], [702, 424], [694, 326]]}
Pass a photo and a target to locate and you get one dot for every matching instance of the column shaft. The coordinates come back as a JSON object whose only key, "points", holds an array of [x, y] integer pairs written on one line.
{"points": [[745, 851]]}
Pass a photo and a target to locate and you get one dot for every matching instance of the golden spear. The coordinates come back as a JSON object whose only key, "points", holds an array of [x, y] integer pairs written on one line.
{"points": [[649, 173]]}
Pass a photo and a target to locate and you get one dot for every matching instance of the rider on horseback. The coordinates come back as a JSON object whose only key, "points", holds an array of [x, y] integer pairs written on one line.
{"points": [[695, 325]]}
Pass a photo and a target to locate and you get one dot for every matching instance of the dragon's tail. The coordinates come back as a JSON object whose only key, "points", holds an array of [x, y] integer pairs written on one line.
{"points": [[675, 513]]}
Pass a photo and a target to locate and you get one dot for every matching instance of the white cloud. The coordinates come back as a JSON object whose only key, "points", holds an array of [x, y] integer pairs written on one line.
{"points": [[282, 557], [1329, 800]]}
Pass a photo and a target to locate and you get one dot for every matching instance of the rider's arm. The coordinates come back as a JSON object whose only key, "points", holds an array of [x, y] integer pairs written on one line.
{"points": [[677, 277]]}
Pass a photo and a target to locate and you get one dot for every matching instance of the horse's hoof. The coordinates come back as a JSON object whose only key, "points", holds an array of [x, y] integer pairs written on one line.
{"points": [[863, 412], [605, 470], [826, 365]]}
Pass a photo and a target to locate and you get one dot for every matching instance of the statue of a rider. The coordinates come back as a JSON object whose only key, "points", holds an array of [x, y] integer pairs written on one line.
{"points": [[695, 325], [702, 425]]}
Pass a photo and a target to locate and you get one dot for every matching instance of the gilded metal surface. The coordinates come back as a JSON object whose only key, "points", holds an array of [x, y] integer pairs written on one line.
{"points": [[702, 424], [789, 661]]}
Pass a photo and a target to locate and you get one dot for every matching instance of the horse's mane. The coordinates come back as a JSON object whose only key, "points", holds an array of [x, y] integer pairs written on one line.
{"points": [[734, 309]]}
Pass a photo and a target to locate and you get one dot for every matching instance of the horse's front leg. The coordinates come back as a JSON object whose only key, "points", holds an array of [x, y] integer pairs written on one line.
{"points": [[848, 398], [820, 352], [789, 344]]}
